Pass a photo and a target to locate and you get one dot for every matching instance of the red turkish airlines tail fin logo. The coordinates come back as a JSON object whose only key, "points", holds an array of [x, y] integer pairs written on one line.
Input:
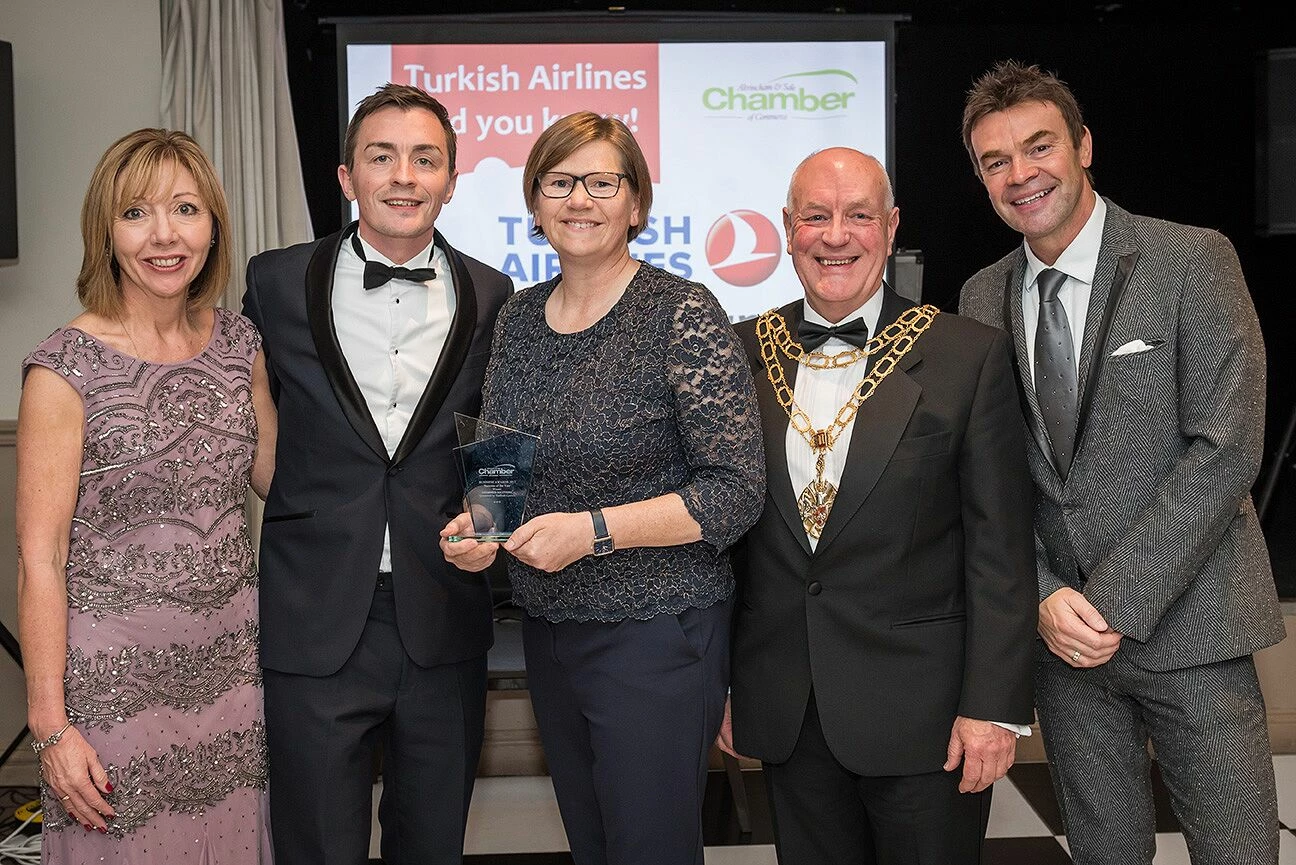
{"points": [[743, 247]]}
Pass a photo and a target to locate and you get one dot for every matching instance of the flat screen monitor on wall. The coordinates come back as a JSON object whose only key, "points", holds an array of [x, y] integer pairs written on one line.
{"points": [[724, 107]]}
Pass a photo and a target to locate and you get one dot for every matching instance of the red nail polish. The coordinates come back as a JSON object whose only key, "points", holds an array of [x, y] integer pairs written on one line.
{"points": [[108, 786], [102, 830], [88, 827]]}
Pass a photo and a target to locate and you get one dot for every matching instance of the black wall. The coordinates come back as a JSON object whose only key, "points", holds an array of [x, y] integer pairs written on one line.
{"points": [[1170, 96]]}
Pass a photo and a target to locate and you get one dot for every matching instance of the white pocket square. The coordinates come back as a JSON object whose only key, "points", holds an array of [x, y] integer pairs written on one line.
{"points": [[1136, 346]]}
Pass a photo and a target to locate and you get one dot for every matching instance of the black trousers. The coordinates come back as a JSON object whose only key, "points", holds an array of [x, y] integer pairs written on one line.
{"points": [[322, 736], [824, 814], [627, 713]]}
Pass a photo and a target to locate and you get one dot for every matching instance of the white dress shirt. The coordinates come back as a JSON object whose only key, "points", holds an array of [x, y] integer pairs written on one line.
{"points": [[392, 337], [821, 393], [1079, 261]]}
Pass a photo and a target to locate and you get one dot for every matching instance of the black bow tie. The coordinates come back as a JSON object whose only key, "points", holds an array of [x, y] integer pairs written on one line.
{"points": [[811, 335], [376, 273]]}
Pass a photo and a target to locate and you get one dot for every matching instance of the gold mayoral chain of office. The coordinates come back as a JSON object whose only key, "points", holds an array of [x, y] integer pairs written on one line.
{"points": [[893, 343]]}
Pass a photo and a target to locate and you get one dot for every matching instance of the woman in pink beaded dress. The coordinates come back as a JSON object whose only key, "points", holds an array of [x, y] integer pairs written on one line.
{"points": [[141, 424]]}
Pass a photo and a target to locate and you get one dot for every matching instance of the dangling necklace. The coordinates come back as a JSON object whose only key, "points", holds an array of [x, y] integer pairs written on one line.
{"points": [[121, 322], [816, 500]]}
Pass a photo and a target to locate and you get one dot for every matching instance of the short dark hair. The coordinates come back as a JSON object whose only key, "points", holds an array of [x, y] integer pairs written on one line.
{"points": [[570, 134], [401, 96], [1011, 83]]}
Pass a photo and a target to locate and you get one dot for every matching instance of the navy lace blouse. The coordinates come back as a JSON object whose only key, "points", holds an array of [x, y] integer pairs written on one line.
{"points": [[655, 397]]}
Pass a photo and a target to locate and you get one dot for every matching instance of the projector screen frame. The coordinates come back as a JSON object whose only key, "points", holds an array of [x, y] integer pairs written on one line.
{"points": [[616, 26]]}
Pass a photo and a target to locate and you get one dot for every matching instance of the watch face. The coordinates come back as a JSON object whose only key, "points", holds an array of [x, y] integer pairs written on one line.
{"points": [[602, 546]]}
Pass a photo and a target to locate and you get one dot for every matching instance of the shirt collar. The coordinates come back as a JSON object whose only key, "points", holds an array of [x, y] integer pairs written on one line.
{"points": [[870, 311], [422, 258], [1079, 260]]}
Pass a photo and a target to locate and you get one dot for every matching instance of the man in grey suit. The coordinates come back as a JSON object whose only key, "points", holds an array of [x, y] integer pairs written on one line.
{"points": [[375, 336], [1142, 375]]}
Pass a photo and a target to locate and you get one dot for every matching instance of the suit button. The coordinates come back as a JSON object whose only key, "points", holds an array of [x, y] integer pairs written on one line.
{"points": [[393, 471], [814, 588]]}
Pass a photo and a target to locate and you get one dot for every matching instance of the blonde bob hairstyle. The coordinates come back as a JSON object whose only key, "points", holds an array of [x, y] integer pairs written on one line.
{"points": [[570, 134], [128, 171]]}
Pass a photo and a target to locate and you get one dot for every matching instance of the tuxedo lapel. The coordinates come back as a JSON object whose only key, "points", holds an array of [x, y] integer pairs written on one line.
{"points": [[452, 356], [774, 422], [319, 312], [879, 425]]}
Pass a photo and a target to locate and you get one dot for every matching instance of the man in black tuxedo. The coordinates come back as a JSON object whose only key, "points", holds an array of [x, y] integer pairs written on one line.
{"points": [[886, 604], [374, 337]]}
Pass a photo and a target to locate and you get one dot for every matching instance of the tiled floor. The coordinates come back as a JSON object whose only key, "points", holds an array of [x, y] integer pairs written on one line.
{"points": [[514, 821]]}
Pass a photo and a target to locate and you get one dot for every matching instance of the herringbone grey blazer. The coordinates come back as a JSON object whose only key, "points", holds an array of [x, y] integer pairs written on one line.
{"points": [[1154, 522]]}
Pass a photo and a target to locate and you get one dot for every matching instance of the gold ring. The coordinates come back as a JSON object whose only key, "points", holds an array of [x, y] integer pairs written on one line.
{"points": [[1075, 656]]}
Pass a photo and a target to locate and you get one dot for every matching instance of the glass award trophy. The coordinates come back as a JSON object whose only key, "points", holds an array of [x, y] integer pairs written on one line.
{"points": [[495, 464]]}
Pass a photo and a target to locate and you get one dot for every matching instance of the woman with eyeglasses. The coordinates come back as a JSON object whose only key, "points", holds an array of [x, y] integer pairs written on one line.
{"points": [[650, 465]]}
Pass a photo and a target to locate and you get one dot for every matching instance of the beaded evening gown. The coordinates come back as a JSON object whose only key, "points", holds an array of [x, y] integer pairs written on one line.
{"points": [[162, 670]]}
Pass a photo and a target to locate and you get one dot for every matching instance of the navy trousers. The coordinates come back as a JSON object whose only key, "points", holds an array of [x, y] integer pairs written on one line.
{"points": [[627, 713]]}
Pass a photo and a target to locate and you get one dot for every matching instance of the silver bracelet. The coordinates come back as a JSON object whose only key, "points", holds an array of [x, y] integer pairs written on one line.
{"points": [[37, 747]]}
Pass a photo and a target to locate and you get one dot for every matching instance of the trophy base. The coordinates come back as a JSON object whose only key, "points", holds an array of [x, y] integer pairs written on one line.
{"points": [[489, 537]]}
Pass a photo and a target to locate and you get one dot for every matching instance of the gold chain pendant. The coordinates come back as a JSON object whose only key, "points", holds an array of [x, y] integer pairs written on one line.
{"points": [[815, 504], [894, 342]]}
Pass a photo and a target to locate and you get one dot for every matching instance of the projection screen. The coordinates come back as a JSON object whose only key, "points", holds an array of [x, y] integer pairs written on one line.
{"points": [[724, 107]]}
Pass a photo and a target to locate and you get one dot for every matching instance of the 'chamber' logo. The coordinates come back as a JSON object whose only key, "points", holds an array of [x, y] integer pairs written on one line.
{"points": [[820, 93], [742, 247]]}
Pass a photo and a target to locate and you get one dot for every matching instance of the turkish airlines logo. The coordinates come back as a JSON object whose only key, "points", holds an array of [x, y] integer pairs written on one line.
{"points": [[743, 247]]}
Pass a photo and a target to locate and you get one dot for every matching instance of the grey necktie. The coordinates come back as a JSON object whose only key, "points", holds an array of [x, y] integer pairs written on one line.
{"points": [[1055, 369]]}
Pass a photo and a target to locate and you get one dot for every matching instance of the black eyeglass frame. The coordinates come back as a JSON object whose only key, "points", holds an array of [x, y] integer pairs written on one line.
{"points": [[580, 178]]}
